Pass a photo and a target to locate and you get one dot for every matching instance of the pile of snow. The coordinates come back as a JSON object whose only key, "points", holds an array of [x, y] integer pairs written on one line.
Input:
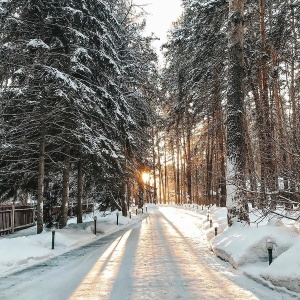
{"points": [[285, 270], [25, 248], [251, 242], [244, 247]]}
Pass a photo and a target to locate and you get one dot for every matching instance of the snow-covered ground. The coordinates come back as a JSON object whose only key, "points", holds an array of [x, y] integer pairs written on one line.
{"points": [[242, 246], [245, 247], [25, 248]]}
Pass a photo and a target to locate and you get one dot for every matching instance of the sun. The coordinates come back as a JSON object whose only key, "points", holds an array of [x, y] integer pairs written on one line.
{"points": [[145, 177]]}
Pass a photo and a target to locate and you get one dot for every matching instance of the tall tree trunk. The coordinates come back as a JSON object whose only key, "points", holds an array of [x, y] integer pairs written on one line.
{"points": [[294, 104], [80, 190], [188, 157], [140, 191], [236, 202], [161, 178], [129, 194], [178, 165], [260, 129], [123, 197], [250, 165], [208, 163], [40, 188], [269, 171], [292, 74], [65, 190], [165, 169], [255, 82], [182, 178], [196, 186], [154, 166], [220, 142], [159, 169], [174, 173], [279, 118]]}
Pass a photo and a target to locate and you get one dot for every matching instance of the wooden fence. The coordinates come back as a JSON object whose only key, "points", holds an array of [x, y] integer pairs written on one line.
{"points": [[16, 217]]}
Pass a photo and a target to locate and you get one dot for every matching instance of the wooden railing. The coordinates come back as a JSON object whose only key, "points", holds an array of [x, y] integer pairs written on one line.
{"points": [[17, 217], [13, 217]]}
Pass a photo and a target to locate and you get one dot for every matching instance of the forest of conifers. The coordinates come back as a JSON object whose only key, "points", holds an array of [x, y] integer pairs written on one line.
{"points": [[218, 48], [85, 110]]}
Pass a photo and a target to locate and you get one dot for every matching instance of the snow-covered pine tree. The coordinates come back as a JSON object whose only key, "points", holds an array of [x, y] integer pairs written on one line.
{"points": [[139, 87], [64, 74]]}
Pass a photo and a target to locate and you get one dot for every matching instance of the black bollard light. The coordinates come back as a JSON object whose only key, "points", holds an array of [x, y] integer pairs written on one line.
{"points": [[136, 211], [142, 210], [210, 222], [216, 225], [95, 224], [53, 236], [130, 215], [146, 208], [270, 247], [207, 216], [117, 217]]}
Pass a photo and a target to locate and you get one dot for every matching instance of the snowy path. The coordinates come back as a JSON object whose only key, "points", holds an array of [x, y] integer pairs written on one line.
{"points": [[163, 257]]}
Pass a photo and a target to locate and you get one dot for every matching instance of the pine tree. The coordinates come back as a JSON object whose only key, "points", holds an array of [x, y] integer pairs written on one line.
{"points": [[236, 201], [63, 100], [67, 83]]}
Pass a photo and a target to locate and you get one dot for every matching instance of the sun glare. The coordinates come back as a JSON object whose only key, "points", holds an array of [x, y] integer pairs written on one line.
{"points": [[145, 177]]}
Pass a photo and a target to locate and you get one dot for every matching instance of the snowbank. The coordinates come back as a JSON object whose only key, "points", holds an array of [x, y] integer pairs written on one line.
{"points": [[244, 247], [25, 248], [285, 270]]}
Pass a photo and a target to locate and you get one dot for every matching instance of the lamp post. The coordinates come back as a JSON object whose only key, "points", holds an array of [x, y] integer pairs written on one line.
{"points": [[53, 236], [270, 247], [95, 224], [216, 225], [117, 217]]}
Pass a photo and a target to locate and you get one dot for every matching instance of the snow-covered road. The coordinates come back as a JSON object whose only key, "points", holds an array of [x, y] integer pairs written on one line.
{"points": [[163, 257]]}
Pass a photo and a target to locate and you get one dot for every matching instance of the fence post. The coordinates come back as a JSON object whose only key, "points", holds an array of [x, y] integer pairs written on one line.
{"points": [[13, 218]]}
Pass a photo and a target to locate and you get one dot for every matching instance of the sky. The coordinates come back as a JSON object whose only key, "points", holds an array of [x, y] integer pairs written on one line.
{"points": [[161, 15]]}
